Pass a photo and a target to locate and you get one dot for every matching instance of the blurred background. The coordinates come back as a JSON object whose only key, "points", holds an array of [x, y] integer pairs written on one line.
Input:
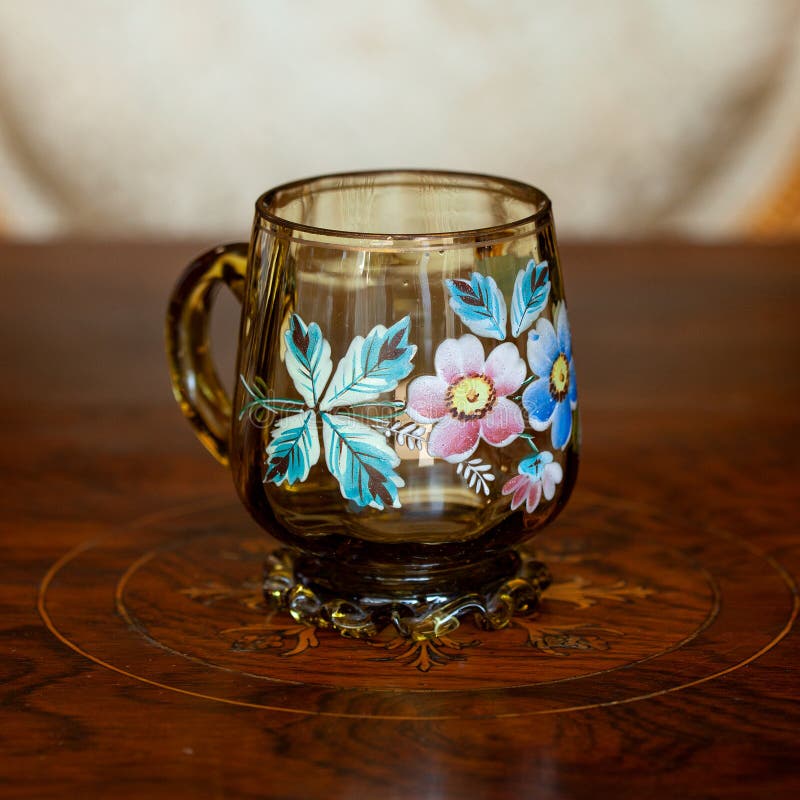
{"points": [[163, 118]]}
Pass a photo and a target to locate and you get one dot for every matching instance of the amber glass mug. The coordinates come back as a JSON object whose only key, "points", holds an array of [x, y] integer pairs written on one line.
{"points": [[405, 412]]}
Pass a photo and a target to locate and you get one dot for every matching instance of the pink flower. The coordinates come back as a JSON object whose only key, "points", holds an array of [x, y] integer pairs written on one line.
{"points": [[537, 474], [466, 398]]}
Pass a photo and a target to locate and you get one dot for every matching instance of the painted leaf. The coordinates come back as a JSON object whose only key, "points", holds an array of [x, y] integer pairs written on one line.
{"points": [[371, 365], [477, 473], [294, 448], [308, 359], [479, 304], [531, 290], [362, 462], [409, 434]]}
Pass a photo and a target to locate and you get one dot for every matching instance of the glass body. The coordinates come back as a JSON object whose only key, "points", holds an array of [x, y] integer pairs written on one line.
{"points": [[406, 409]]}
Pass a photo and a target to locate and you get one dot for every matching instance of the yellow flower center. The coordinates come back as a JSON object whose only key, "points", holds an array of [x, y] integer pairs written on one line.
{"points": [[471, 398], [559, 377]]}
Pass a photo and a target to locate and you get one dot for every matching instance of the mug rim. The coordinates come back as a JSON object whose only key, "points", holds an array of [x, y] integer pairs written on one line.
{"points": [[518, 189]]}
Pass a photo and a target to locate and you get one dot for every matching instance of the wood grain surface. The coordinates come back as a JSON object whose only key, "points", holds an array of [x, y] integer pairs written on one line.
{"points": [[137, 660]]}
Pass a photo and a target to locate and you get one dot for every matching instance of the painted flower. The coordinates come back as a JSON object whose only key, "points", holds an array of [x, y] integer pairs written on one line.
{"points": [[552, 397], [538, 474], [467, 397]]}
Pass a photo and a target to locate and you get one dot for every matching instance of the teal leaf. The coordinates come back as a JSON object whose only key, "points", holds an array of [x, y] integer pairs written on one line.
{"points": [[531, 290], [359, 458], [308, 358], [294, 449], [372, 365], [479, 304]]}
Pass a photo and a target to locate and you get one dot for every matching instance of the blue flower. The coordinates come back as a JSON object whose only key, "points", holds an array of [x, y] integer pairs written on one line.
{"points": [[551, 398]]}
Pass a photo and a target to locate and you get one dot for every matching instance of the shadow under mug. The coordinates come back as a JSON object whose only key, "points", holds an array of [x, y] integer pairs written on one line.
{"points": [[405, 412]]}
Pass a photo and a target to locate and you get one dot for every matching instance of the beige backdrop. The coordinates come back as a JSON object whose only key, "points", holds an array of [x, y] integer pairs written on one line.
{"points": [[166, 117]]}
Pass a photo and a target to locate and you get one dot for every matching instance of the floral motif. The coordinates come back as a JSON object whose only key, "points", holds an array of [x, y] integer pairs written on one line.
{"points": [[551, 398], [470, 398], [538, 474], [467, 398], [356, 455]]}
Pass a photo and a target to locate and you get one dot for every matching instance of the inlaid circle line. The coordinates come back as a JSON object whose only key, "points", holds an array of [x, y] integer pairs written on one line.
{"points": [[72, 554], [134, 624]]}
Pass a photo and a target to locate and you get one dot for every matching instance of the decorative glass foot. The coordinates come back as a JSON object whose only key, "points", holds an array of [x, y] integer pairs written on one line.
{"points": [[419, 618]]}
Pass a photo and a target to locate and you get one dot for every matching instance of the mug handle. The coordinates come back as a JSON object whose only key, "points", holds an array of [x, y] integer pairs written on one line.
{"points": [[195, 383]]}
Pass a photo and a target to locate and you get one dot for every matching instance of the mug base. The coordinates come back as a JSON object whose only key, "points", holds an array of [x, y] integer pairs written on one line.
{"points": [[290, 584]]}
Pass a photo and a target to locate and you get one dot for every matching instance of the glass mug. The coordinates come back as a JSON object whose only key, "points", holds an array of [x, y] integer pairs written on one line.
{"points": [[405, 412]]}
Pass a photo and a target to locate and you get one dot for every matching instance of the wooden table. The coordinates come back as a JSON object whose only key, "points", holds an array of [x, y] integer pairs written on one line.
{"points": [[137, 661]]}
